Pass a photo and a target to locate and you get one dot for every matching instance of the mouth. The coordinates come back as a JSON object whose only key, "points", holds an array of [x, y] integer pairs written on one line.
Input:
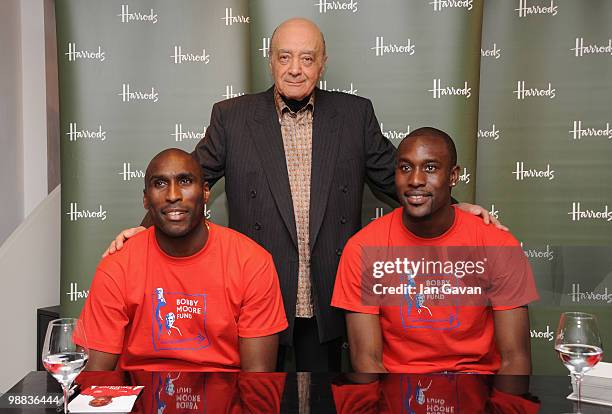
{"points": [[175, 214], [417, 198]]}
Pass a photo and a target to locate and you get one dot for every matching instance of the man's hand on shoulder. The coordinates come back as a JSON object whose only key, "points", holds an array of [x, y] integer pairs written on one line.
{"points": [[482, 212], [117, 244]]}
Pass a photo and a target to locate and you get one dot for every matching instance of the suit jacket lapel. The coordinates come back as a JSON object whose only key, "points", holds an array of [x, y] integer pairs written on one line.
{"points": [[325, 143], [266, 134]]}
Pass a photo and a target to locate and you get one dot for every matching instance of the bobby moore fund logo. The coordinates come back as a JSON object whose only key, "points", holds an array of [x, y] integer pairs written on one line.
{"points": [[75, 53], [230, 19]]}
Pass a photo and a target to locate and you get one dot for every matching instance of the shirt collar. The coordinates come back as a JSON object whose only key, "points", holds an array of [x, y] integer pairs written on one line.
{"points": [[282, 107]]}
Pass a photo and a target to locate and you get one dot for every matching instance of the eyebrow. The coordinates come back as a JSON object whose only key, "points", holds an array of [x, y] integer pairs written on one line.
{"points": [[166, 177], [302, 52]]}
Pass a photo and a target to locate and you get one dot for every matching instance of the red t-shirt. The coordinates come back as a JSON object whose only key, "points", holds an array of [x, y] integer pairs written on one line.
{"points": [[434, 393], [183, 313], [433, 332]]}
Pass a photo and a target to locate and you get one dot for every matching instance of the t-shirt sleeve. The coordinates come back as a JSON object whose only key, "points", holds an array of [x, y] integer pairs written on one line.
{"points": [[348, 286], [104, 314], [511, 282], [262, 312]]}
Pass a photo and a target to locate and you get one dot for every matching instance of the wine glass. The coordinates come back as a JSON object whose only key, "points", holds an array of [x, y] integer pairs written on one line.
{"points": [[578, 344], [65, 352]]}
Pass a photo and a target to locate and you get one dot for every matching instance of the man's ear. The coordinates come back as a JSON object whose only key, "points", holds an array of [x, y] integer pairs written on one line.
{"points": [[454, 175], [205, 192], [145, 200]]}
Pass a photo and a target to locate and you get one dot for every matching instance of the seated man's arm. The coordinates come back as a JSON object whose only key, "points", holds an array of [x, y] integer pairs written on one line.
{"points": [[365, 341], [101, 361], [513, 340], [258, 354]]}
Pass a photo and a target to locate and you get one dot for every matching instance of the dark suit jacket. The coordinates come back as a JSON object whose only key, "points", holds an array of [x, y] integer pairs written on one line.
{"points": [[243, 143]]}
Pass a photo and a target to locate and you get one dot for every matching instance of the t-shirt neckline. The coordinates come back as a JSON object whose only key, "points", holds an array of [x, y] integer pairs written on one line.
{"points": [[411, 235], [183, 259]]}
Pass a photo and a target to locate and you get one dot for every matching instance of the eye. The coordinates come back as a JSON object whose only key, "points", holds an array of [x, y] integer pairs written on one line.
{"points": [[159, 183], [185, 181], [283, 58], [430, 168], [404, 167], [308, 60]]}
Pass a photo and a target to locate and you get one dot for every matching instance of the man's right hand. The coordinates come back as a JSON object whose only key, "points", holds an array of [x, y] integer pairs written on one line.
{"points": [[117, 244]]}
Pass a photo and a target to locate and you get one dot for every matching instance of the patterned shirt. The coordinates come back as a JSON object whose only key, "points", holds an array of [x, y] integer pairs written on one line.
{"points": [[296, 130]]}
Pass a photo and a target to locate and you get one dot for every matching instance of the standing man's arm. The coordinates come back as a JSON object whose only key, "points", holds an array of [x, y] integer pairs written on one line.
{"points": [[258, 354], [211, 150], [365, 342], [513, 340]]}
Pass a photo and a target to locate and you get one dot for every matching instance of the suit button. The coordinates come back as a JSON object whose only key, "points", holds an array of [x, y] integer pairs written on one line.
{"points": [[253, 193], [257, 226], [343, 220], [344, 188], [339, 252]]}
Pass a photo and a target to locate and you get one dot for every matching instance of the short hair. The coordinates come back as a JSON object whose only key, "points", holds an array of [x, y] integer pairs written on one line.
{"points": [[435, 133]]}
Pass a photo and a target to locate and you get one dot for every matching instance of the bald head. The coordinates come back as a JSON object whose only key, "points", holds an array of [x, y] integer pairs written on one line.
{"points": [[435, 134], [171, 156], [299, 24]]}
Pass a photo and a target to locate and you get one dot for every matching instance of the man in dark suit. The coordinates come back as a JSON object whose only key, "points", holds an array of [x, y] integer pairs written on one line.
{"points": [[295, 159]]}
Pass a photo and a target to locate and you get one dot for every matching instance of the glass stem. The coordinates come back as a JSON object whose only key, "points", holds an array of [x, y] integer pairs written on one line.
{"points": [[578, 378], [65, 389]]}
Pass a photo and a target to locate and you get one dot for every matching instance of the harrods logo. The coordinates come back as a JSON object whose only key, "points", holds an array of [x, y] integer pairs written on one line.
{"points": [[590, 296], [381, 48], [378, 213], [127, 95], [439, 91], [76, 214], [464, 177], [578, 132], [522, 92], [351, 90], [521, 173], [74, 133], [229, 92], [230, 19], [494, 212], [489, 134], [265, 47], [578, 213], [493, 52], [591, 49], [180, 135], [128, 174], [129, 17], [179, 57], [74, 53], [547, 334], [525, 10], [547, 254], [333, 5], [439, 5], [394, 134], [75, 294]]}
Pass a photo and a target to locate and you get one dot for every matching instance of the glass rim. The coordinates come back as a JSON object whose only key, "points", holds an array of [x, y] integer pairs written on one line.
{"points": [[579, 315], [64, 321]]}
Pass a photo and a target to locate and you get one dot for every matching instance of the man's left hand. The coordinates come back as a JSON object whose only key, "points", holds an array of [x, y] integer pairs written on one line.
{"points": [[482, 212]]}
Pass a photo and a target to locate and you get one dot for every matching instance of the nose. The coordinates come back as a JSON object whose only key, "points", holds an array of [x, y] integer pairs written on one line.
{"points": [[174, 192], [295, 67], [416, 178]]}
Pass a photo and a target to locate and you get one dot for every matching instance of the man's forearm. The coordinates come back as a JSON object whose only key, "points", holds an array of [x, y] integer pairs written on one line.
{"points": [[367, 364], [515, 364]]}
